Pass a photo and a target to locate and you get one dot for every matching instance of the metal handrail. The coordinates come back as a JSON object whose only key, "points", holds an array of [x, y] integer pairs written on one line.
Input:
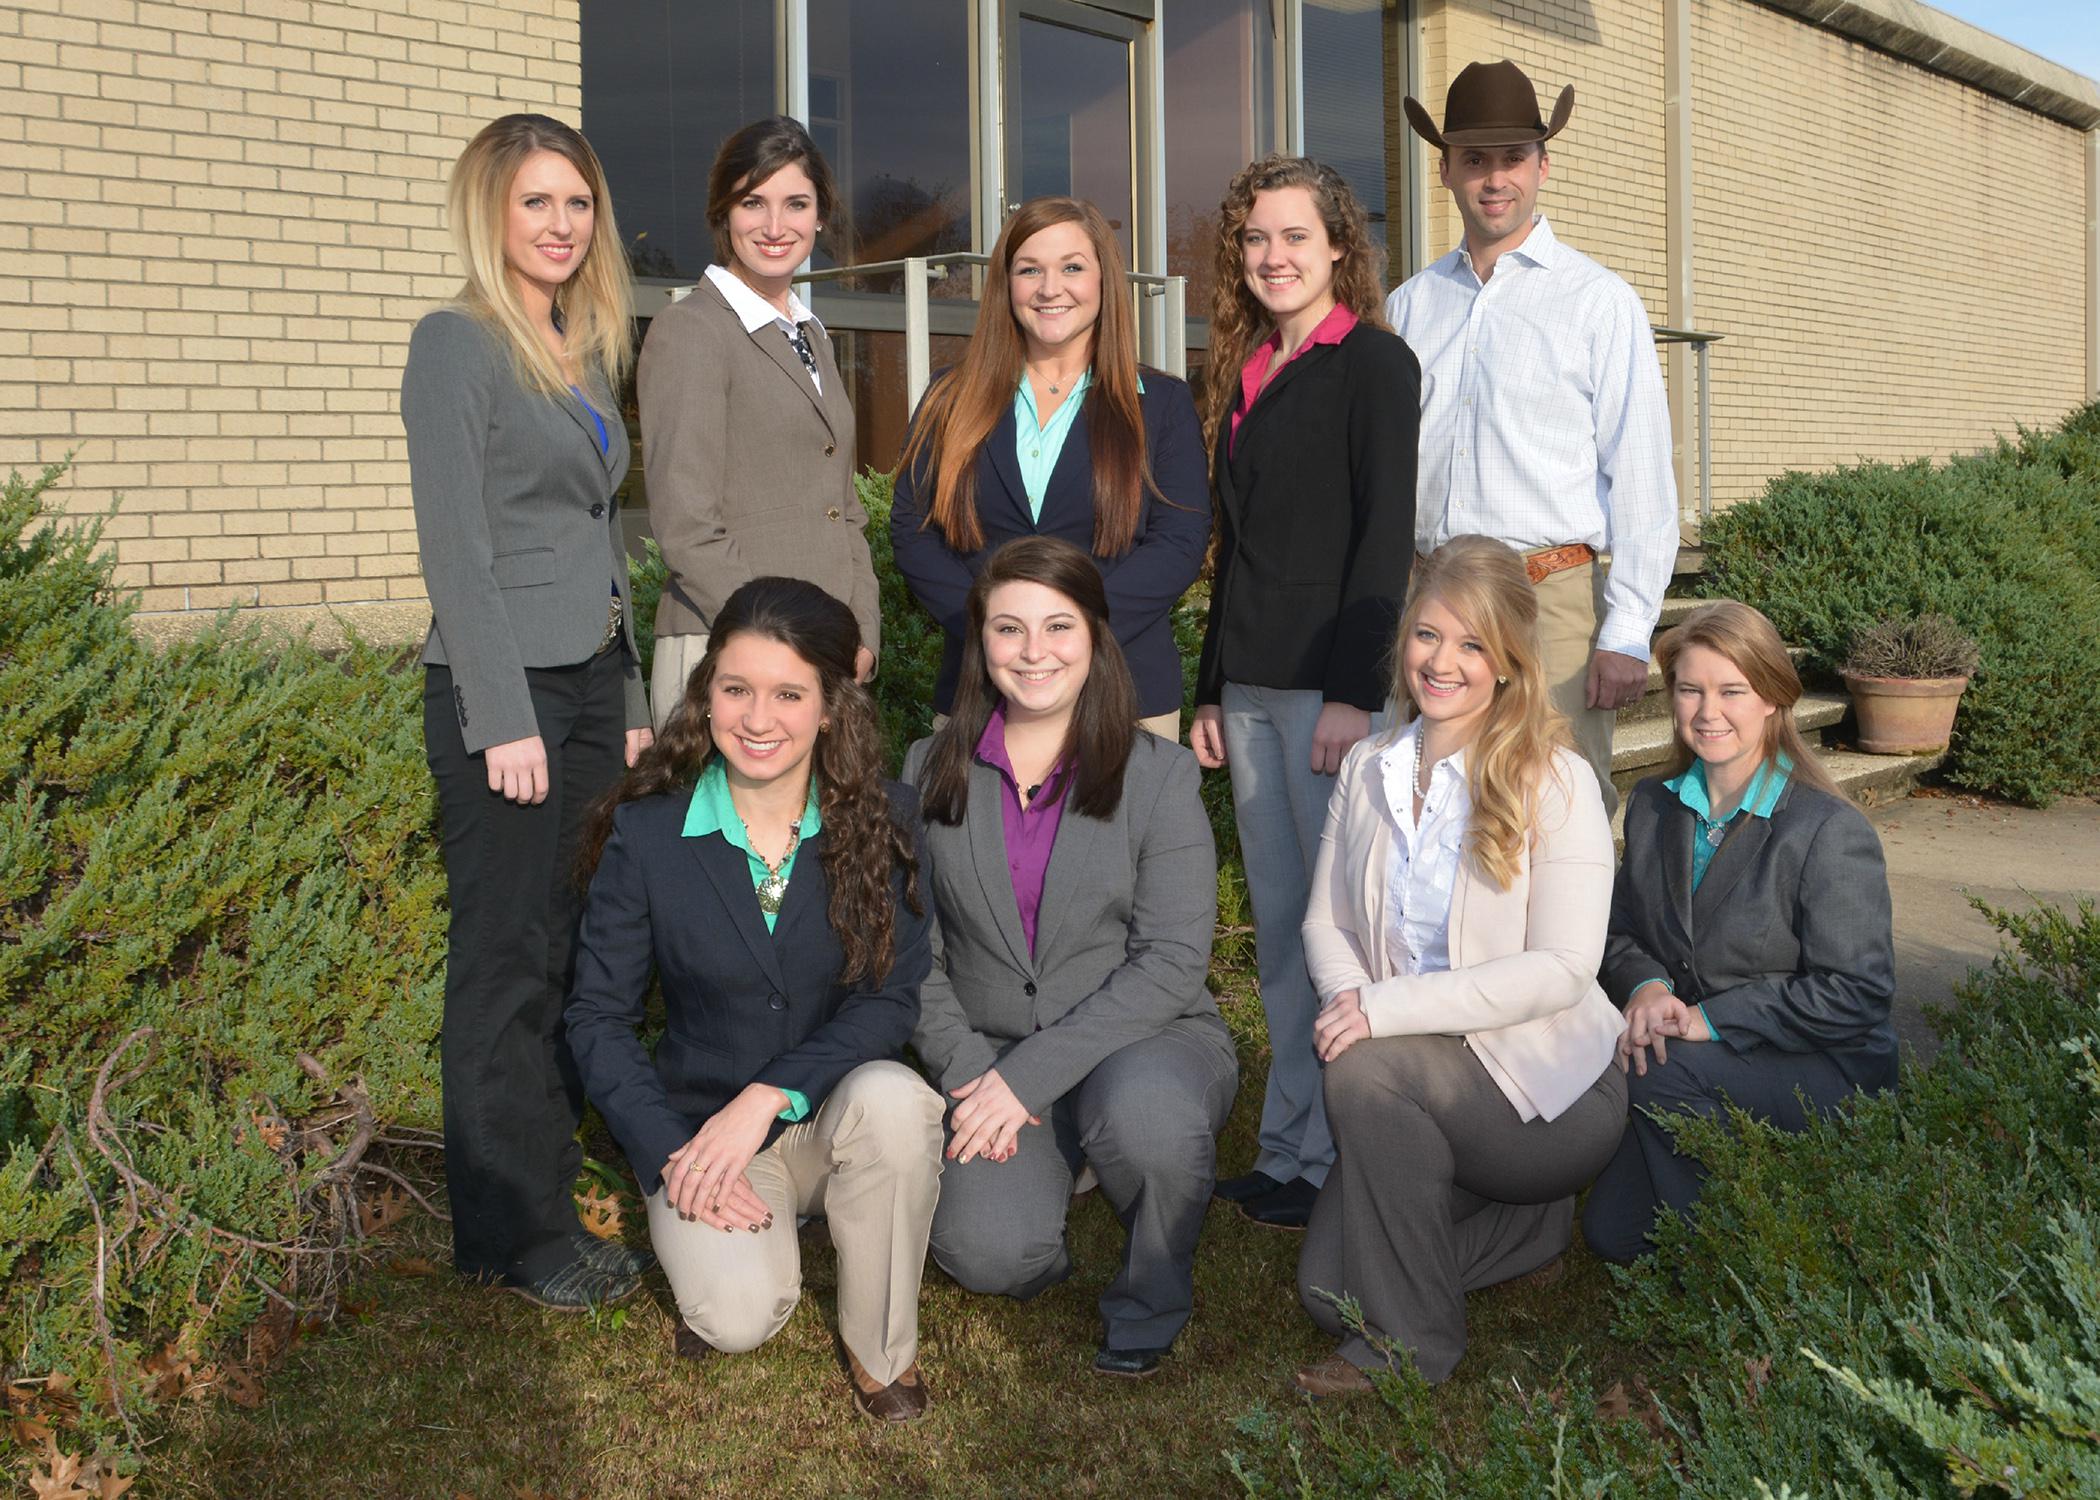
{"points": [[1701, 343]]}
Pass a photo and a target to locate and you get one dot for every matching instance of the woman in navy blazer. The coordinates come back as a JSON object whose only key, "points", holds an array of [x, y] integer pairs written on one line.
{"points": [[1750, 941], [757, 863], [1048, 428]]}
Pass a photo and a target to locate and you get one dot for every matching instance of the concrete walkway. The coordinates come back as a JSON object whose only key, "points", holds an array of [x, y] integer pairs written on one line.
{"points": [[1943, 849]]}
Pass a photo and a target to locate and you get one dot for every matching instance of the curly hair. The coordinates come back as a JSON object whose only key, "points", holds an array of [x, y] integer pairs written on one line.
{"points": [[864, 844], [1483, 582], [1238, 321]]}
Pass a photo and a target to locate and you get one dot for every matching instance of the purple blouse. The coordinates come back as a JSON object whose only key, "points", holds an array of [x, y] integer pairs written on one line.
{"points": [[1031, 831]]}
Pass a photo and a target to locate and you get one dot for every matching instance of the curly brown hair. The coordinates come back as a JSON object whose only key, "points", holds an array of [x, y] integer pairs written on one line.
{"points": [[864, 843], [1237, 321]]}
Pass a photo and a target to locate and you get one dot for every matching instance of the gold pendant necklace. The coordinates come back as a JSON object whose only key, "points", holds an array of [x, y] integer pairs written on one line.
{"points": [[773, 889]]}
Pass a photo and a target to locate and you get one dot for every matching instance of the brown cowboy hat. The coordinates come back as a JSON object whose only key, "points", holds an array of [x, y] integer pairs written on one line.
{"points": [[1491, 104]]}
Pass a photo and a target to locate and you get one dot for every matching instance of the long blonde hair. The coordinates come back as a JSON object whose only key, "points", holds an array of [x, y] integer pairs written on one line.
{"points": [[958, 415], [1752, 643], [1237, 321], [596, 303], [1483, 582]]}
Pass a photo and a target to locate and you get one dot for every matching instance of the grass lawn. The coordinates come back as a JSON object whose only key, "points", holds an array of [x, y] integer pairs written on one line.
{"points": [[435, 1387]]}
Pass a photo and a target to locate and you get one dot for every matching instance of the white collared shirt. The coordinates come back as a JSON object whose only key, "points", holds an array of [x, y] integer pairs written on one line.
{"points": [[1543, 418], [1422, 867], [755, 312]]}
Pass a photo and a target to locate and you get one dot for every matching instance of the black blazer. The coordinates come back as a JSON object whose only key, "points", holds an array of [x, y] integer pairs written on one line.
{"points": [[1316, 523], [1144, 584], [1787, 941], [741, 1005]]}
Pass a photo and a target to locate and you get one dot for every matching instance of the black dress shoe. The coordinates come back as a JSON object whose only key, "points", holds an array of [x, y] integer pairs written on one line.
{"points": [[1289, 1207], [611, 1255], [1247, 1185], [1128, 1364]]}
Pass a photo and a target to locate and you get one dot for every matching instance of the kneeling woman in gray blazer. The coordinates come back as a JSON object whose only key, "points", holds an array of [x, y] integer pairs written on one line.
{"points": [[1750, 929], [1456, 923], [1075, 882], [757, 862]]}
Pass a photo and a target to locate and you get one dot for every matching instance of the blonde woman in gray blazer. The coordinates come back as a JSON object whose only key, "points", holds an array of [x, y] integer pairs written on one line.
{"points": [[747, 437], [532, 694], [1074, 882]]}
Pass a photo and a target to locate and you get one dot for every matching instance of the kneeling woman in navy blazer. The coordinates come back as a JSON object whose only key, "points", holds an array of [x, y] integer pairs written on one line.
{"points": [[1075, 879], [1750, 927], [1047, 428], [758, 863]]}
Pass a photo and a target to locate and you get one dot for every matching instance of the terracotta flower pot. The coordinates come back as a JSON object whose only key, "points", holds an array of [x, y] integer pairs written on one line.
{"points": [[1905, 715]]}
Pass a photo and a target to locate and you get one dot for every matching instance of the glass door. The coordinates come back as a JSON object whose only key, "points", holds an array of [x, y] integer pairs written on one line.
{"points": [[1071, 110]]}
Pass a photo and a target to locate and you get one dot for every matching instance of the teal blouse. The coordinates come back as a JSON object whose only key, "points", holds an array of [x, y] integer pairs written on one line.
{"points": [[712, 811]]}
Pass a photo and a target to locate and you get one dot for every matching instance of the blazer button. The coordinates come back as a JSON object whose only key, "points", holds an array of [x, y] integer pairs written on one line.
{"points": [[776, 1002], [1029, 989], [834, 513], [830, 448]]}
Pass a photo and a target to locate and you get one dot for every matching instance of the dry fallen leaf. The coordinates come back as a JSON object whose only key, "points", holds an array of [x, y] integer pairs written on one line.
{"points": [[60, 1476], [1759, 1371], [1614, 1404], [239, 1386], [113, 1485], [601, 1212], [376, 1211], [412, 1265]]}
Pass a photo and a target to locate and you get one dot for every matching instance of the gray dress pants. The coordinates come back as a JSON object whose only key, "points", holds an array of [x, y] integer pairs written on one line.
{"points": [[1439, 1189], [1147, 1121]]}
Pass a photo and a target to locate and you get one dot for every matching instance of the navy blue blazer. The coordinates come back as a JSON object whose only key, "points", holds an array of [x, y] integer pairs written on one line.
{"points": [[741, 1005], [1144, 584], [1787, 942]]}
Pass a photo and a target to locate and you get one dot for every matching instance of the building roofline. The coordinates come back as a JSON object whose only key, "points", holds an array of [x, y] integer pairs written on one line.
{"points": [[1944, 44]]}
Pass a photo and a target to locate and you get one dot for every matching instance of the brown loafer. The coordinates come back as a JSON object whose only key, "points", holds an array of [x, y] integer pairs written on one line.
{"points": [[687, 1344], [904, 1399], [1333, 1376]]}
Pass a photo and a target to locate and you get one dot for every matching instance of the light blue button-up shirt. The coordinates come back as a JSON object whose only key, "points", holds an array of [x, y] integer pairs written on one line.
{"points": [[1037, 444]]}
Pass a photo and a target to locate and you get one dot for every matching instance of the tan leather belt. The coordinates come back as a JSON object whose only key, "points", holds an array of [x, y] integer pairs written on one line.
{"points": [[1547, 561]]}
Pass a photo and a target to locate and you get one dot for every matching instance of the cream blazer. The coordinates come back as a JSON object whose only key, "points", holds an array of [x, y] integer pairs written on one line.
{"points": [[1522, 987]]}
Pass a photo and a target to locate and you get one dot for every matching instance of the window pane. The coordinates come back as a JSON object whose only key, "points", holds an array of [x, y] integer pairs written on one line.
{"points": [[664, 83], [873, 367], [1220, 109], [1074, 112], [1353, 89], [896, 79]]}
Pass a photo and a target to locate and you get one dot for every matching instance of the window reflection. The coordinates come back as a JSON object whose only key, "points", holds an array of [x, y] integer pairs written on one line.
{"points": [[1220, 110], [1074, 113], [664, 83], [872, 365], [1354, 82]]}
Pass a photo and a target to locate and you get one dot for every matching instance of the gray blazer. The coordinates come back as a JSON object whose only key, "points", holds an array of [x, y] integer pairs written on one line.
{"points": [[518, 521], [750, 470], [1123, 937], [1787, 941]]}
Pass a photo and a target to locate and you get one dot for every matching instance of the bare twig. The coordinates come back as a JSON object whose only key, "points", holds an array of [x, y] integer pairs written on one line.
{"points": [[102, 1324], [407, 1187]]}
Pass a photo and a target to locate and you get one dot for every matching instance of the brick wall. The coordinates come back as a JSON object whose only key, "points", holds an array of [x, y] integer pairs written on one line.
{"points": [[224, 217]]}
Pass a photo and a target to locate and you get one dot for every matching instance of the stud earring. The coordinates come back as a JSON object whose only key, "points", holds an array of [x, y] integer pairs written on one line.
{"points": [[1502, 682]]}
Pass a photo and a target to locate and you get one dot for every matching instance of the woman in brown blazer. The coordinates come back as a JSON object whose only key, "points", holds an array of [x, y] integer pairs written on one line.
{"points": [[747, 439]]}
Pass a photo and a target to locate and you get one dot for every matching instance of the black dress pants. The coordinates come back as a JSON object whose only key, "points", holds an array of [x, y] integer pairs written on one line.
{"points": [[512, 1096]]}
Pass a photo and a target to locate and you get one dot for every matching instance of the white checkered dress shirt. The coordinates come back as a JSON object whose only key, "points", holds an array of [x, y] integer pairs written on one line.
{"points": [[1543, 419]]}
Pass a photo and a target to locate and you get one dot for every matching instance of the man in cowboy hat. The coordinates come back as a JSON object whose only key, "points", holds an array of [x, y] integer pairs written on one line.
{"points": [[1543, 420]]}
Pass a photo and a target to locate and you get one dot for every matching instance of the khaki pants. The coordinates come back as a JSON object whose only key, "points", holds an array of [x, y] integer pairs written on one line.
{"points": [[869, 1161], [1570, 604], [1167, 726], [676, 656]]}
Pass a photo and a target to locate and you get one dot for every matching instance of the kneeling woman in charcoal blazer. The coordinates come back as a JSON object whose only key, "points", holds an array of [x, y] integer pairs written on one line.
{"points": [[1456, 925], [1075, 882], [1750, 928], [758, 863]]}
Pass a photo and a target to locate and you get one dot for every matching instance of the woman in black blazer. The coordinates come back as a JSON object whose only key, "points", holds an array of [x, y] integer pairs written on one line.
{"points": [[1750, 939], [756, 862], [1312, 412], [1048, 428], [1075, 878], [532, 696]]}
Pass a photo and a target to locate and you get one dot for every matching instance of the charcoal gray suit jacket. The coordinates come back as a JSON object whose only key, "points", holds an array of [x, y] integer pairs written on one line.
{"points": [[1787, 941], [518, 522], [1122, 939]]}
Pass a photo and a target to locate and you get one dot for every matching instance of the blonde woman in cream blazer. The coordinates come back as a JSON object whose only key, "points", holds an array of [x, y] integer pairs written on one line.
{"points": [[1471, 1076]]}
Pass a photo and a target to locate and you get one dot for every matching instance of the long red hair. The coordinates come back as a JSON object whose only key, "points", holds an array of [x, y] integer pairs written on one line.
{"points": [[959, 414]]}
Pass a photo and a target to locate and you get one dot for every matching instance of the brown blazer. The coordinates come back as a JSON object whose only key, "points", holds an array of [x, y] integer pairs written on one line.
{"points": [[750, 470]]}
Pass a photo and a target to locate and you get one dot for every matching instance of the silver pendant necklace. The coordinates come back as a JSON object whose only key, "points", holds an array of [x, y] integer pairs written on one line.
{"points": [[773, 888]]}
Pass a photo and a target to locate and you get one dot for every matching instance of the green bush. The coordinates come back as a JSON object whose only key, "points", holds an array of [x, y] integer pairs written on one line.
{"points": [[2006, 544]]}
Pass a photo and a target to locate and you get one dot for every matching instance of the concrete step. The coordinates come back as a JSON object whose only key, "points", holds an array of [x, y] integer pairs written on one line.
{"points": [[1867, 779], [1654, 703], [1640, 744]]}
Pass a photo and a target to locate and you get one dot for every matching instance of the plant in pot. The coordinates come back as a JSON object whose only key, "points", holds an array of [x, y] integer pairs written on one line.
{"points": [[1906, 676]]}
